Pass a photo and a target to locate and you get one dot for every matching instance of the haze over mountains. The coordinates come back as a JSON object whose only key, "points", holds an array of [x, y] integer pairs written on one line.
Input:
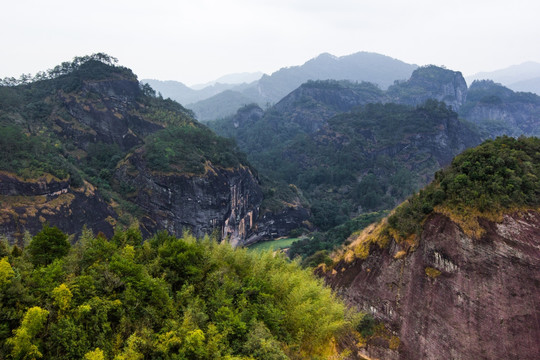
{"points": [[87, 147], [523, 77], [269, 89], [223, 96]]}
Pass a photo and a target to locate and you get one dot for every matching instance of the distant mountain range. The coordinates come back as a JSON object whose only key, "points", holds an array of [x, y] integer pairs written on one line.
{"points": [[269, 89], [523, 77], [237, 78]]}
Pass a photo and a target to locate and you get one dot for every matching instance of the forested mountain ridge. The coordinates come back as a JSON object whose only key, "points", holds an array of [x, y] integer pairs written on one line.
{"points": [[64, 135], [348, 148], [501, 111], [457, 260]]}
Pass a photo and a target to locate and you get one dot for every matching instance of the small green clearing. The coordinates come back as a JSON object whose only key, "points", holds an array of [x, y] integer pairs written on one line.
{"points": [[273, 244]]}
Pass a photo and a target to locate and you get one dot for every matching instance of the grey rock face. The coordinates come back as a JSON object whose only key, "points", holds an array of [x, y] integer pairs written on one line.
{"points": [[223, 200], [501, 110], [431, 82], [27, 204]]}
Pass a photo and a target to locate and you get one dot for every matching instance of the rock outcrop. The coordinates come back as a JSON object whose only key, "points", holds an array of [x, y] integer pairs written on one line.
{"points": [[96, 114], [431, 82], [501, 110], [226, 200], [273, 225], [105, 111], [27, 204], [453, 296]]}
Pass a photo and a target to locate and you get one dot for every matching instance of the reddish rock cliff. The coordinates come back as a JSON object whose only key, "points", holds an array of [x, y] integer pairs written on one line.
{"points": [[453, 296]]}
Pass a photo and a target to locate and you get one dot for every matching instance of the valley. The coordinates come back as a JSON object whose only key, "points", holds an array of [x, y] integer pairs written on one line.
{"points": [[414, 196]]}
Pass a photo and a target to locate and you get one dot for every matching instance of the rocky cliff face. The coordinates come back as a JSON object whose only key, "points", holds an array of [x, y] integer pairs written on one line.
{"points": [[226, 200], [96, 114], [452, 296], [247, 116], [105, 111], [501, 110], [273, 225], [431, 82], [26, 204]]}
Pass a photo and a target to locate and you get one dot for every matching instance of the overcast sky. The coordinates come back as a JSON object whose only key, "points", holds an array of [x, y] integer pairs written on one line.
{"points": [[197, 41]]}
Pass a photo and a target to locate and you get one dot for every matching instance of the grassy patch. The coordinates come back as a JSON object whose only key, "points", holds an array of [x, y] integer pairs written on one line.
{"points": [[273, 245]]}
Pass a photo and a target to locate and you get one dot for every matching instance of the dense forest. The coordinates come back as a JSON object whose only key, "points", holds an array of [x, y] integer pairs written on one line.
{"points": [[161, 298], [368, 159]]}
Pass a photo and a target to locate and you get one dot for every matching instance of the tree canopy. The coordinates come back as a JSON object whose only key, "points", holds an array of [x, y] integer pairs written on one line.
{"points": [[162, 298]]}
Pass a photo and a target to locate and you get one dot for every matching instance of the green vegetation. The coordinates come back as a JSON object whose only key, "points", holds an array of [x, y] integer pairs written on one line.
{"points": [[188, 148], [499, 175], [79, 120], [424, 80], [272, 245], [163, 298], [49, 244], [346, 166], [496, 109], [31, 156], [368, 159], [316, 249]]}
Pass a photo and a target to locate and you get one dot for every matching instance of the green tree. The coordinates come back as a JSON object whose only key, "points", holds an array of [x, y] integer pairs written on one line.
{"points": [[6, 272], [24, 344], [49, 244]]}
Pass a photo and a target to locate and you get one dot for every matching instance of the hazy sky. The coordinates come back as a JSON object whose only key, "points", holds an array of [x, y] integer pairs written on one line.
{"points": [[197, 41]]}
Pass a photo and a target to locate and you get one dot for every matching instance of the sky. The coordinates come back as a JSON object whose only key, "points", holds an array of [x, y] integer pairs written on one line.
{"points": [[197, 41]]}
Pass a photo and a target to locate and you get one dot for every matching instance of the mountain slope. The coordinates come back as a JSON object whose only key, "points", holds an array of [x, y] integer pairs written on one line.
{"points": [[214, 107], [347, 149], [499, 110], [78, 126], [455, 261], [361, 66]]}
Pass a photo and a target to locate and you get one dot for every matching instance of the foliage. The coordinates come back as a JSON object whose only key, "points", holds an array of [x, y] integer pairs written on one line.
{"points": [[499, 175], [30, 156], [80, 120], [6, 272], [188, 148], [49, 244], [78, 63], [317, 247], [272, 245], [349, 166], [24, 345], [165, 298], [510, 113]]}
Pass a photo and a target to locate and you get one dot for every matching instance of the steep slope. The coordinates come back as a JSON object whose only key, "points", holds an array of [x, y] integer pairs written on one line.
{"points": [[64, 134], [431, 82], [500, 110], [307, 108], [454, 272]]}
